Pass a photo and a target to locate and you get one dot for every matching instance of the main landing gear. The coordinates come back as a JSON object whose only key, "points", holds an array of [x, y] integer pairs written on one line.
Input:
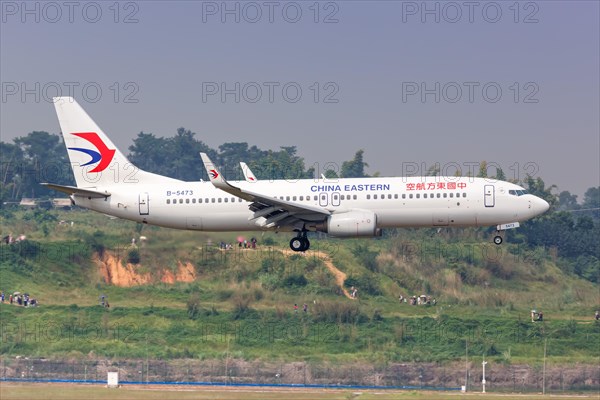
{"points": [[300, 242], [498, 240]]}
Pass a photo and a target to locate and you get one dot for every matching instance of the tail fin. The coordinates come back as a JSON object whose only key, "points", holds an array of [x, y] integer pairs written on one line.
{"points": [[95, 160], [248, 174]]}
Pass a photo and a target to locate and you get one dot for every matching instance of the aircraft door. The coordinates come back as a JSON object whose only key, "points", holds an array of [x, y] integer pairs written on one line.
{"points": [[335, 199], [323, 199], [144, 202], [489, 198]]}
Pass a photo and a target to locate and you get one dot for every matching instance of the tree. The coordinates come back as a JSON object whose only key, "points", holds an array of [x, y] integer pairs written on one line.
{"points": [[482, 170], [500, 174], [434, 170], [567, 201], [354, 168], [591, 198], [33, 159], [537, 187]]}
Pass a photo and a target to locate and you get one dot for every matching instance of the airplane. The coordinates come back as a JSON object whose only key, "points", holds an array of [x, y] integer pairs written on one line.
{"points": [[108, 183], [248, 174]]}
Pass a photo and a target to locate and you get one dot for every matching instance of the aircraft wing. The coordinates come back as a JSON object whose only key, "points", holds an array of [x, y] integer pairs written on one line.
{"points": [[268, 211], [72, 190]]}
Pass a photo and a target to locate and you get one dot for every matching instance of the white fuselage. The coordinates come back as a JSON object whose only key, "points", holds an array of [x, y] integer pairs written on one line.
{"points": [[397, 202]]}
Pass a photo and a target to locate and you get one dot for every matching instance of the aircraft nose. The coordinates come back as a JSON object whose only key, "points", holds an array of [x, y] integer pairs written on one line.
{"points": [[539, 206]]}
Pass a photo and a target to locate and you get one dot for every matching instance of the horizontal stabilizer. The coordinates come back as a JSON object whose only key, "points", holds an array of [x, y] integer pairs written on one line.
{"points": [[72, 190]]}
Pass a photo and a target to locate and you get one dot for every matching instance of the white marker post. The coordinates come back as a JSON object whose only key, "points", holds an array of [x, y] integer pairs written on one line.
{"points": [[483, 380]]}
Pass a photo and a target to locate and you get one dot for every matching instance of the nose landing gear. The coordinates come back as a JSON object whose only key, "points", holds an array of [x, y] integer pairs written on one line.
{"points": [[498, 239]]}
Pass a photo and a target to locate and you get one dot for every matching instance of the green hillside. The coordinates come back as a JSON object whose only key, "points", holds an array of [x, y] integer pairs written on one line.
{"points": [[241, 302]]}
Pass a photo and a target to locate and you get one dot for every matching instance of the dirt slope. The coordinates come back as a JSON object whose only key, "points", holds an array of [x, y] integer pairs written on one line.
{"points": [[116, 273]]}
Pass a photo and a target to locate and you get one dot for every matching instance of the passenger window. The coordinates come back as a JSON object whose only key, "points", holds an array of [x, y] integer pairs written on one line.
{"points": [[438, 195], [199, 200], [219, 199], [390, 196], [418, 195], [168, 201], [368, 197], [226, 200], [410, 196], [287, 198], [187, 201], [355, 197], [424, 195], [180, 201], [212, 200], [301, 198], [375, 196], [445, 195], [396, 196], [451, 195], [403, 195], [464, 194]]}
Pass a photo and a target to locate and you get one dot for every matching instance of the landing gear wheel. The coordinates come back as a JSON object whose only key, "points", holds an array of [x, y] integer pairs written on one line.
{"points": [[299, 244], [498, 240], [306, 244], [296, 244]]}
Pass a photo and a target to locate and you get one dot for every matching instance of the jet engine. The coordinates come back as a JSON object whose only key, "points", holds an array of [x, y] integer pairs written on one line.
{"points": [[353, 223]]}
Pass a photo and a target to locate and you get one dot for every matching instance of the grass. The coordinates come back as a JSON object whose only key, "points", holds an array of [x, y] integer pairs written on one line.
{"points": [[242, 295], [9, 391]]}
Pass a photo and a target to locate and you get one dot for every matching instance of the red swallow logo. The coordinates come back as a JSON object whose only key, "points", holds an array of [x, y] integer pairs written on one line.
{"points": [[104, 154], [213, 174]]}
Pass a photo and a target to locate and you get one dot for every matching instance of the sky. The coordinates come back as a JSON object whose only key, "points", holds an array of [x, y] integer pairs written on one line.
{"points": [[412, 83]]}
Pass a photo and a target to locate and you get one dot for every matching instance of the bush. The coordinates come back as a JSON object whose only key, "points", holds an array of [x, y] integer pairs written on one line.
{"points": [[338, 312], [193, 306], [133, 256], [241, 306], [295, 280], [365, 284]]}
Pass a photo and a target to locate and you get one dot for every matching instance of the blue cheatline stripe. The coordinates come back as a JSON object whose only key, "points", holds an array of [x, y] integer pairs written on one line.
{"points": [[272, 385]]}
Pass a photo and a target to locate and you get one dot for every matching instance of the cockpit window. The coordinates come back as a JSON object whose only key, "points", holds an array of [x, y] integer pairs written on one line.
{"points": [[517, 192]]}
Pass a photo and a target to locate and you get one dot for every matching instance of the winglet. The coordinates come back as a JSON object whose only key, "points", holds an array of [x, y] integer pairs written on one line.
{"points": [[213, 173], [248, 174]]}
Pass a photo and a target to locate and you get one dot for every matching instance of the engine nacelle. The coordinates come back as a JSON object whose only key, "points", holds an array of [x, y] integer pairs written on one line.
{"points": [[355, 223]]}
